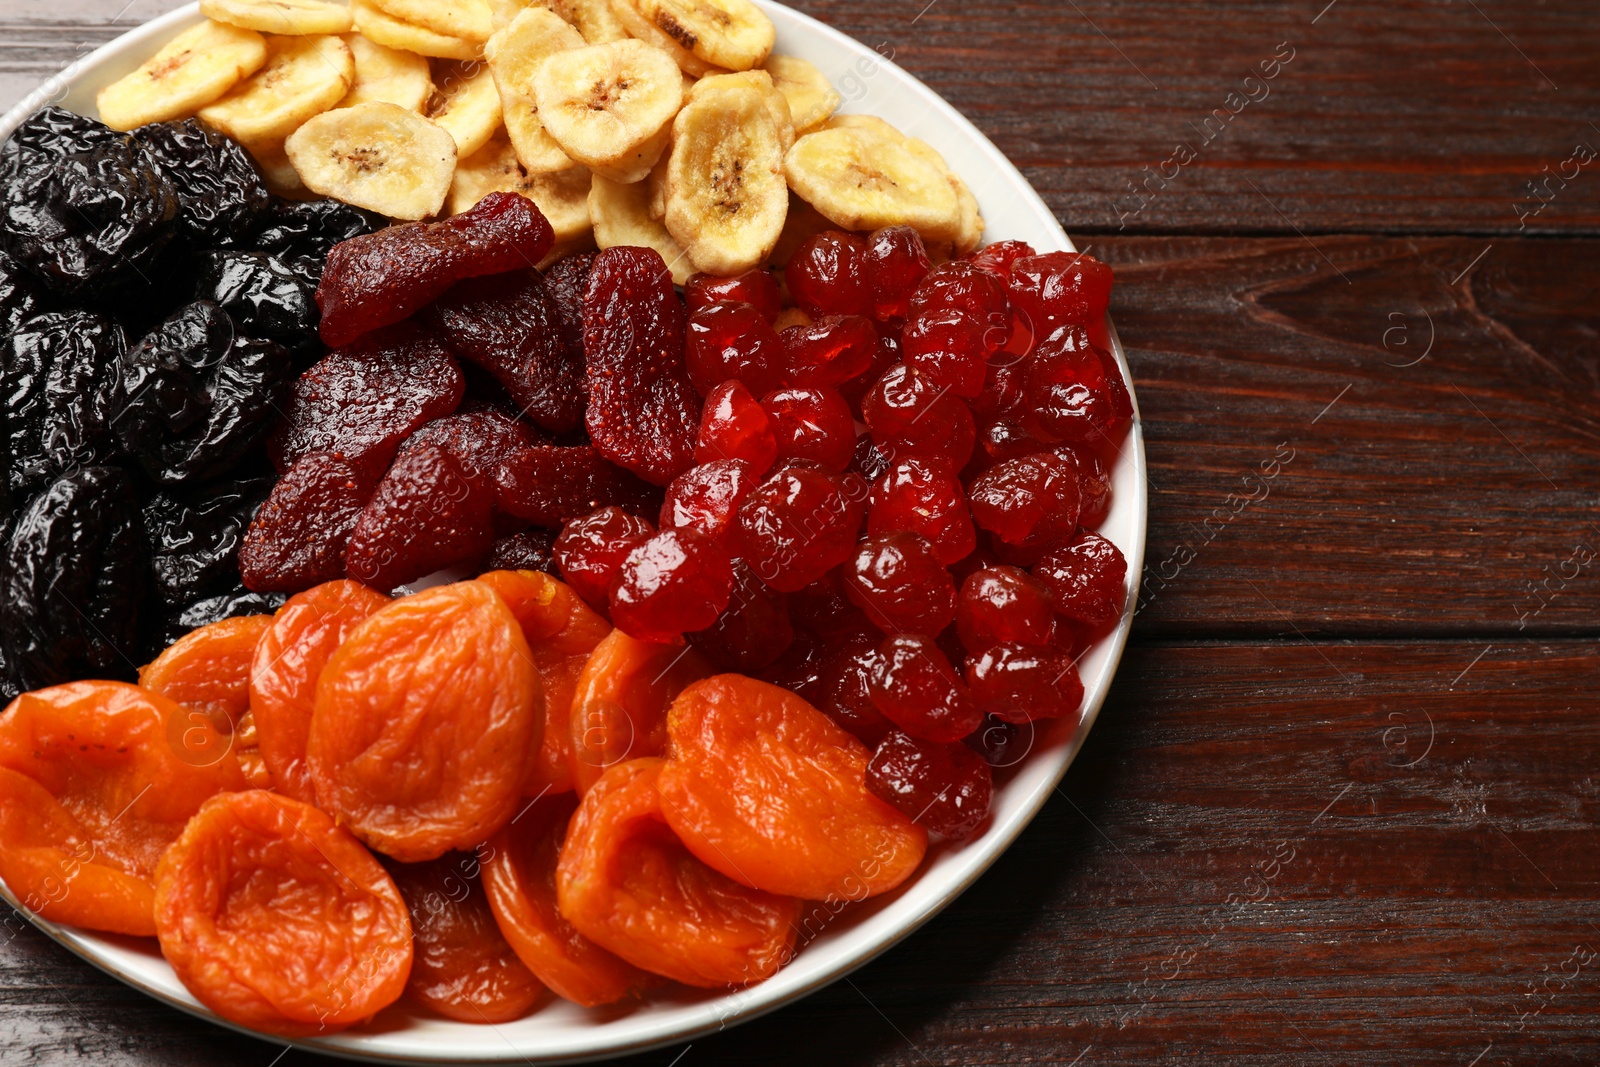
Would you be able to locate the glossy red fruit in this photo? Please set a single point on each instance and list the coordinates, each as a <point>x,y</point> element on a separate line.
<point>799,524</point>
<point>298,536</point>
<point>916,688</point>
<point>1027,501</point>
<point>1000,743</point>
<point>911,415</point>
<point>959,317</point>
<point>1067,397</point>
<point>896,263</point>
<point>1085,580</point>
<point>734,342</point>
<point>1021,683</point>
<point>998,259</point>
<point>704,500</point>
<point>847,687</point>
<point>888,354</point>
<point>923,496</point>
<point>813,424</point>
<point>757,287</point>
<point>901,585</point>
<point>1094,487</point>
<point>1060,289</point>
<point>946,788</point>
<point>549,485</point>
<point>752,631</point>
<point>831,351</point>
<point>828,275</point>
<point>1007,438</point>
<point>590,552</point>
<point>1002,391</point>
<point>674,583</point>
<point>734,425</point>
<point>1003,605</point>
<point>425,515</point>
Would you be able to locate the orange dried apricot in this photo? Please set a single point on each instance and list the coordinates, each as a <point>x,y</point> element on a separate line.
<point>289,659</point>
<point>561,631</point>
<point>423,723</point>
<point>96,780</point>
<point>277,919</point>
<point>519,876</point>
<point>619,709</point>
<point>461,966</point>
<point>626,882</point>
<point>766,789</point>
<point>208,670</point>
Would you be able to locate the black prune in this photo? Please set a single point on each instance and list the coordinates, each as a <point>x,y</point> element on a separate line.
<point>92,221</point>
<point>221,194</point>
<point>301,233</point>
<point>264,297</point>
<point>59,395</point>
<point>236,602</point>
<point>72,584</point>
<point>19,299</point>
<point>194,537</point>
<point>46,135</point>
<point>194,396</point>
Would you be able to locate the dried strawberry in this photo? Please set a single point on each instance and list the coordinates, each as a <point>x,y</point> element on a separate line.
<point>297,538</point>
<point>530,550</point>
<point>549,485</point>
<point>425,515</point>
<point>734,425</point>
<point>477,440</point>
<point>567,281</point>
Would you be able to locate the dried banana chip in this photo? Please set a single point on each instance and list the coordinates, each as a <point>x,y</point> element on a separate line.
<point>468,20</point>
<point>378,25</point>
<point>195,68</point>
<point>466,103</point>
<point>302,77</point>
<point>387,75</point>
<point>290,17</point>
<point>592,18</point>
<point>515,54</point>
<point>812,98</point>
<point>377,156</point>
<point>776,103</point>
<point>277,170</point>
<point>726,195</point>
<point>657,181</point>
<point>640,28</point>
<point>864,179</point>
<point>732,34</point>
<point>610,106</point>
<point>969,235</point>
<point>968,232</point>
<point>621,216</point>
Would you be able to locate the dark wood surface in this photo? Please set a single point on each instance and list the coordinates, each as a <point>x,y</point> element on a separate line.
<point>1341,806</point>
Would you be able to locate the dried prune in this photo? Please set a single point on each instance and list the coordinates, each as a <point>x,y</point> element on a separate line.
<point>264,297</point>
<point>301,233</point>
<point>60,395</point>
<point>510,326</point>
<point>235,603</point>
<point>381,278</point>
<point>73,581</point>
<point>298,536</point>
<point>643,411</point>
<point>195,396</point>
<point>85,210</point>
<point>362,401</point>
<point>19,297</point>
<point>549,485</point>
<point>194,536</point>
<point>221,194</point>
<point>425,515</point>
<point>530,550</point>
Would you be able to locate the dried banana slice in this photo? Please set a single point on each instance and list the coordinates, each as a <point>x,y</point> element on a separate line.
<point>592,18</point>
<point>621,216</point>
<point>277,170</point>
<point>640,28</point>
<point>733,34</point>
<point>378,25</point>
<point>377,156</point>
<point>864,179</point>
<point>501,12</point>
<point>726,195</point>
<point>969,235</point>
<point>467,20</point>
<point>290,17</point>
<point>776,103</point>
<point>563,196</point>
<point>193,69</point>
<point>657,181</point>
<point>969,229</point>
<point>387,75</point>
<point>610,106</point>
<point>812,98</point>
<point>466,103</point>
<point>515,54</point>
<point>302,77</point>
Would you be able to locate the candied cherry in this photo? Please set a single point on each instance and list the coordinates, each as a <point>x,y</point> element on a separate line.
<point>914,685</point>
<point>847,690</point>
<point>800,667</point>
<point>998,259</point>
<point>753,630</point>
<point>959,317</point>
<point>813,424</point>
<point>901,585</point>
<point>923,495</point>
<point>1021,683</point>
<point>1094,487</point>
<point>799,524</point>
<point>590,551</point>
<point>1001,604</point>
<point>897,261</point>
<point>1066,394</point>
<point>734,341</point>
<point>828,275</point>
<point>674,583</point>
<point>1060,289</point>
<point>705,499</point>
<point>1000,743</point>
<point>888,354</point>
<point>832,350</point>
<point>868,461</point>
<point>734,425</point>
<point>943,787</point>
<point>821,606</point>
<point>1002,391</point>
<point>1032,500</point>
<point>1085,580</point>
<point>757,288</point>
<point>1007,438</point>
<point>909,414</point>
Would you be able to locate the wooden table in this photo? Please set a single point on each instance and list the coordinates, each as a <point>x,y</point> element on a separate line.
<point>1341,807</point>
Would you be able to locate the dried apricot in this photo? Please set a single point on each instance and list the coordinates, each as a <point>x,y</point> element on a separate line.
<point>627,883</point>
<point>289,660</point>
<point>619,709</point>
<point>766,789</point>
<point>96,780</point>
<point>561,631</point>
<point>519,876</point>
<point>208,671</point>
<point>277,919</point>
<point>461,966</point>
<point>423,722</point>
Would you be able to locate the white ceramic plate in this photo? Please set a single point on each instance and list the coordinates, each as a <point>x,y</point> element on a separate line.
<point>565,1033</point>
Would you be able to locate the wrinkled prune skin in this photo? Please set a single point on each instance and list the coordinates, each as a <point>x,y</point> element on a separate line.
<point>305,231</point>
<point>72,583</point>
<point>263,295</point>
<point>509,325</point>
<point>195,396</point>
<point>194,537</point>
<point>19,297</point>
<point>236,602</point>
<point>221,194</point>
<point>60,399</point>
<point>86,213</point>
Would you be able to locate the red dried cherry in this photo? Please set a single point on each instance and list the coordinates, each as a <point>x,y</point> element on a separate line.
<point>1000,257</point>
<point>426,514</point>
<point>753,630</point>
<point>1066,394</point>
<point>828,275</point>
<point>910,415</point>
<point>896,263</point>
<point>799,669</point>
<point>923,495</point>
<point>799,524</point>
<point>757,287</point>
<point>830,351</point>
<point>734,341</point>
<point>898,581</point>
<point>1021,683</point>
<point>1028,501</point>
<point>590,551</point>
<point>1000,743</point>
<point>959,316</point>
<point>672,584</point>
<point>705,499</point>
<point>846,687</point>
<point>822,606</point>
<point>1085,580</point>
<point>1002,391</point>
<point>734,425</point>
<point>1094,486</point>
<point>888,354</point>
<point>549,485</point>
<point>1060,289</point>
<point>914,685</point>
<point>813,424</point>
<point>944,787</point>
<point>1003,605</point>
